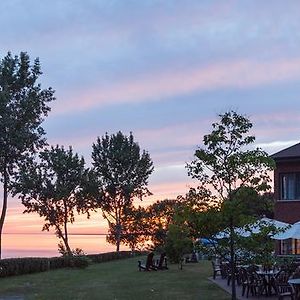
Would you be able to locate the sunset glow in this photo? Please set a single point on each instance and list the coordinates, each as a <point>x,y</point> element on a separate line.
<point>162,70</point>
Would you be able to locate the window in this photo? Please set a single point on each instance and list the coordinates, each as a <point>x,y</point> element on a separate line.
<point>286,247</point>
<point>290,186</point>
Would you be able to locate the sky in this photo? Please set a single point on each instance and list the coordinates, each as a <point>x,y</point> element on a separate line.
<point>161,69</point>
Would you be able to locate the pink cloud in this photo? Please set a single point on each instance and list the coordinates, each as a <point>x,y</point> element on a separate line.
<point>153,87</point>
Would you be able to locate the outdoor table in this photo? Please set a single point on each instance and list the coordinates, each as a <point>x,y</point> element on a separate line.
<point>268,275</point>
<point>295,282</point>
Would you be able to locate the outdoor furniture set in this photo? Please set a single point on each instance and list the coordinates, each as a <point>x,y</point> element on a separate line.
<point>257,281</point>
<point>154,265</point>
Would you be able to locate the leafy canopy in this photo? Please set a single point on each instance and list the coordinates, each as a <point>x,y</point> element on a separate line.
<point>121,171</point>
<point>53,187</point>
<point>227,162</point>
<point>23,107</point>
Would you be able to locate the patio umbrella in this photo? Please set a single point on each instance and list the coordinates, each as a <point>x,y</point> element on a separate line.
<point>291,233</point>
<point>206,242</point>
<point>246,231</point>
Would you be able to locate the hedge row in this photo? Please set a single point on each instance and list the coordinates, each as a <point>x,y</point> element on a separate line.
<point>103,257</point>
<point>18,266</point>
<point>26,265</point>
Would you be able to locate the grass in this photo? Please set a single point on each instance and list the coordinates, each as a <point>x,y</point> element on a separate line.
<point>116,280</point>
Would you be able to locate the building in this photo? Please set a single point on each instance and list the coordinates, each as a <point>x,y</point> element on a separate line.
<point>287,193</point>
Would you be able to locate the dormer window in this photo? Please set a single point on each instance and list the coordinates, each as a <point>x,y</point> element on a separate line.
<point>290,186</point>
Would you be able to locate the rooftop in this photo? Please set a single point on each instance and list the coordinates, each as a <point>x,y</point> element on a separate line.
<point>288,153</point>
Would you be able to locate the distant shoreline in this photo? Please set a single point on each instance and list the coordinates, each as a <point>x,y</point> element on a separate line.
<point>48,233</point>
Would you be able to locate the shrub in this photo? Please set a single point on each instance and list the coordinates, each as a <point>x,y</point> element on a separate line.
<point>79,262</point>
<point>58,262</point>
<point>108,256</point>
<point>19,266</point>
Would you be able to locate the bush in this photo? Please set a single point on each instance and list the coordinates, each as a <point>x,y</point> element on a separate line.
<point>108,256</point>
<point>79,262</point>
<point>58,262</point>
<point>69,262</point>
<point>19,266</point>
<point>178,243</point>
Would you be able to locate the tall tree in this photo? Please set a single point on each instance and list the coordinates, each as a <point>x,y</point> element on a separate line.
<point>226,164</point>
<point>23,107</point>
<point>122,173</point>
<point>135,228</point>
<point>147,227</point>
<point>160,217</point>
<point>54,187</point>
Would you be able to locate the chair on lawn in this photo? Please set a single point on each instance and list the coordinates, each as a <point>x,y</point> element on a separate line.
<point>162,262</point>
<point>216,269</point>
<point>149,266</point>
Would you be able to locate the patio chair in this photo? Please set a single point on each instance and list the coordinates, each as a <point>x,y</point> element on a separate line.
<point>229,274</point>
<point>244,280</point>
<point>162,262</point>
<point>149,263</point>
<point>224,270</point>
<point>282,287</point>
<point>256,284</point>
<point>216,269</point>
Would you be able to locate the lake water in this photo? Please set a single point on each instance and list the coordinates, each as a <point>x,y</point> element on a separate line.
<point>45,245</point>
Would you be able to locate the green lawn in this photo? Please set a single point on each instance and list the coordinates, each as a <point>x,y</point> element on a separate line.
<point>116,280</point>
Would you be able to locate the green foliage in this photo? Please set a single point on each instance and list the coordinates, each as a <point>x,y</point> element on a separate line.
<point>178,243</point>
<point>122,173</point>
<point>76,259</point>
<point>228,172</point>
<point>147,227</point>
<point>52,187</point>
<point>224,166</point>
<point>23,107</point>
<point>108,256</point>
<point>116,280</point>
<point>160,216</point>
<point>227,164</point>
<point>19,266</point>
<point>259,248</point>
<point>64,252</point>
<point>80,262</point>
<point>26,265</point>
<point>253,203</point>
<point>58,262</point>
<point>135,228</point>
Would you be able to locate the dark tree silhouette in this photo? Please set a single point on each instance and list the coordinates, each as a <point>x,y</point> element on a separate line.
<point>226,164</point>
<point>122,173</point>
<point>23,107</point>
<point>54,187</point>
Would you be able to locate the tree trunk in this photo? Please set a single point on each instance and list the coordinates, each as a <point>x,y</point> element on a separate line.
<point>232,261</point>
<point>118,236</point>
<point>65,240</point>
<point>4,206</point>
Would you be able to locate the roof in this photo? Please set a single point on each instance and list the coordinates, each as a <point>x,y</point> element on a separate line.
<point>288,153</point>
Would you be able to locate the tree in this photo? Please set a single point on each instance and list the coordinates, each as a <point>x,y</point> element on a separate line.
<point>227,164</point>
<point>55,187</point>
<point>135,228</point>
<point>122,174</point>
<point>147,227</point>
<point>178,243</point>
<point>23,107</point>
<point>159,216</point>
